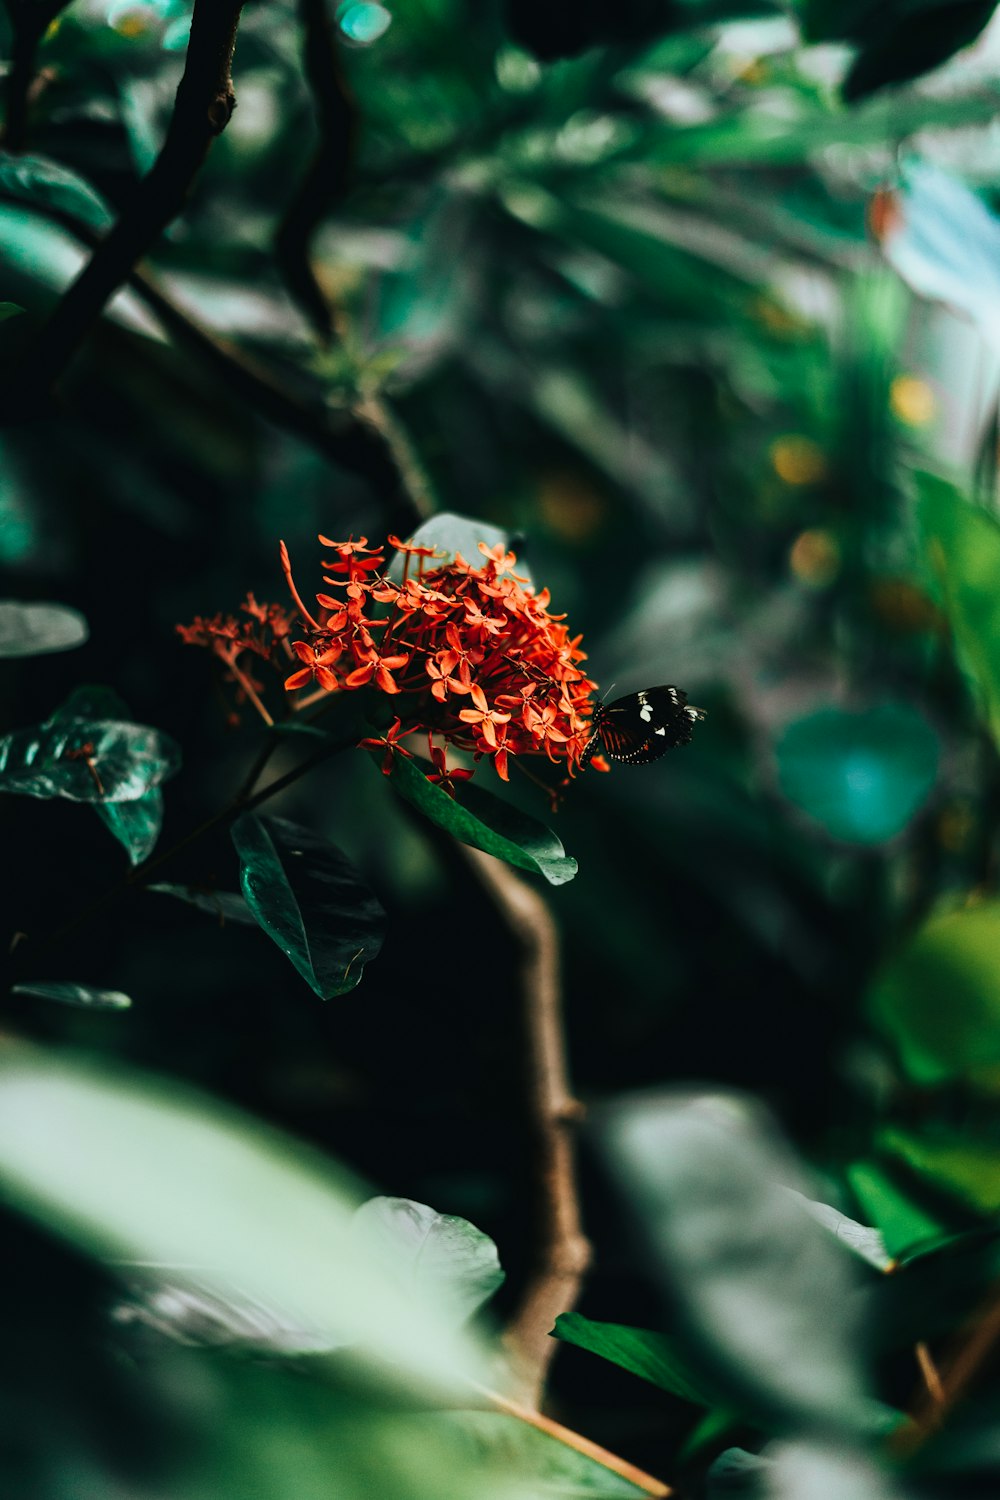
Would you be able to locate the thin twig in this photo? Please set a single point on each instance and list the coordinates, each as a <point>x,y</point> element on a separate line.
<point>942,1395</point>
<point>204,104</point>
<point>563,1254</point>
<point>326,176</point>
<point>929,1373</point>
<point>376,412</point>
<point>621,1466</point>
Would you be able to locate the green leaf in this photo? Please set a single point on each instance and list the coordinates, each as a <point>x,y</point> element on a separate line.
<point>867,1244</point>
<point>310,900</point>
<point>74,994</point>
<point>798,1471</point>
<point>449,534</point>
<point>132,1168</point>
<point>962,546</point>
<point>483,821</point>
<point>651,1356</point>
<point>135,824</point>
<point>51,760</point>
<point>9,310</point>
<point>34,629</point>
<point>967,1168</point>
<point>861,776</point>
<point>938,1001</point>
<point>225,906</point>
<point>546,1468</point>
<point>764,1301</point>
<point>903,1221</point>
<point>45,183</point>
<point>419,1247</point>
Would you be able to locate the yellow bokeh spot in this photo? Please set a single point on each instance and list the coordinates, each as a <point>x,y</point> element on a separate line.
<point>131,23</point>
<point>570,507</point>
<point>903,607</point>
<point>815,558</point>
<point>956,825</point>
<point>798,460</point>
<point>912,400</point>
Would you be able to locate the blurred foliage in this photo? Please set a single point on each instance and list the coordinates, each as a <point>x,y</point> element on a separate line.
<point>694,301</point>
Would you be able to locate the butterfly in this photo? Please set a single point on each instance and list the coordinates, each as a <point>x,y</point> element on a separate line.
<point>642,726</point>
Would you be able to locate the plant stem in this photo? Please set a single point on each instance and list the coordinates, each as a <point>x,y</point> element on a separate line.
<point>376,412</point>
<point>204,104</point>
<point>562,1253</point>
<point>643,1481</point>
<point>326,176</point>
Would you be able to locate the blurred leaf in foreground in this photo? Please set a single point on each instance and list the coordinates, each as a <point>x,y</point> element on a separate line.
<point>33,629</point>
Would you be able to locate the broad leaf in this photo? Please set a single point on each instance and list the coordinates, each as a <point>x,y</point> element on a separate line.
<point>903,1220</point>
<point>867,1244</point>
<point>938,1002</point>
<point>86,760</point>
<point>861,776</point>
<point>476,817</point>
<point>651,1356</point>
<point>763,1301</point>
<point>964,1166</point>
<point>34,629</point>
<point>546,1468</point>
<point>47,184</point>
<point>135,824</point>
<point>74,994</point>
<point>132,1168</point>
<point>419,1248</point>
<point>225,906</point>
<point>449,534</point>
<point>962,548</point>
<point>310,900</point>
<point>9,310</point>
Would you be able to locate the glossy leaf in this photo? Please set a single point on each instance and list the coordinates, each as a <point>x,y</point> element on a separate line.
<point>861,776</point>
<point>651,1356</point>
<point>74,994</point>
<point>135,824</point>
<point>132,1168</point>
<point>765,1307</point>
<point>35,629</point>
<point>938,1001</point>
<point>482,820</point>
<point>903,1221</point>
<point>310,900</point>
<point>40,181</point>
<point>225,906</point>
<point>51,760</point>
<point>420,1248</point>
<point>962,548</point>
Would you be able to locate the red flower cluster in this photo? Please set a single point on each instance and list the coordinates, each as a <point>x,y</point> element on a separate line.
<point>264,634</point>
<point>470,653</point>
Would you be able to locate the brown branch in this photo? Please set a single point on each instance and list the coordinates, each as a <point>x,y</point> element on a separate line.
<point>562,1254</point>
<point>973,1350</point>
<point>621,1466</point>
<point>203,107</point>
<point>29,21</point>
<point>326,176</point>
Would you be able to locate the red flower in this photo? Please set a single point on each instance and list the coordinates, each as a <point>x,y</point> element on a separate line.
<point>390,740</point>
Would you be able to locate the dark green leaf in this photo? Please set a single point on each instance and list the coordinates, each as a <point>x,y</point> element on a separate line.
<point>225,906</point>
<point>962,546</point>
<point>310,900</point>
<point>764,1302</point>
<point>421,1248</point>
<point>135,824</point>
<point>651,1356</point>
<point>862,776</point>
<point>958,1164</point>
<point>53,760</point>
<point>34,629</point>
<point>938,1002</point>
<point>74,994</point>
<point>902,1219</point>
<point>482,820</point>
<point>9,310</point>
<point>901,44</point>
<point>542,1467</point>
<point>40,181</point>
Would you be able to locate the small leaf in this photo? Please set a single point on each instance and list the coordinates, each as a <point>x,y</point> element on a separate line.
<point>763,1301</point>
<point>35,629</point>
<point>449,534</point>
<point>862,776</point>
<point>310,900</point>
<point>40,181</point>
<point>9,310</point>
<point>476,817</point>
<point>962,546</point>
<point>867,1244</point>
<point>74,994</point>
<point>53,760</point>
<point>225,906</point>
<point>651,1356</point>
<point>421,1248</point>
<point>136,824</point>
<point>903,1221</point>
<point>938,1002</point>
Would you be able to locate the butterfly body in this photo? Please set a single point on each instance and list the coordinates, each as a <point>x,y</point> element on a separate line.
<point>642,726</point>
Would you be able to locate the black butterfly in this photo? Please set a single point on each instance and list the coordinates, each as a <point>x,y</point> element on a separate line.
<point>642,726</point>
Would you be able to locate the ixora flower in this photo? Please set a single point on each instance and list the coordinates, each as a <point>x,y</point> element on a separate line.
<point>468,652</point>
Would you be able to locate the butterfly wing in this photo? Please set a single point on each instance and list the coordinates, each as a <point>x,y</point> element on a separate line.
<point>642,726</point>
